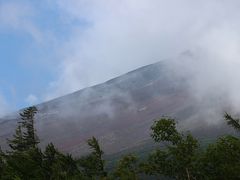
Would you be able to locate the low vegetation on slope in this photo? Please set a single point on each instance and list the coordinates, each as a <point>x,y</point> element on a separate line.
<point>181,158</point>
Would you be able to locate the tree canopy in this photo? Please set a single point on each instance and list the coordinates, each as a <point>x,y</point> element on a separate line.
<point>179,156</point>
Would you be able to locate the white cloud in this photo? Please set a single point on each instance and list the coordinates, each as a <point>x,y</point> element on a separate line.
<point>4,108</point>
<point>18,16</point>
<point>31,99</point>
<point>123,35</point>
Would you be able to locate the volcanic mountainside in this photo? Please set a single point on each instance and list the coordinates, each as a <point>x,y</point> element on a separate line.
<point>118,112</point>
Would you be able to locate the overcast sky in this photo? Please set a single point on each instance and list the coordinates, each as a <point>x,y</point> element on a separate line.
<point>49,48</point>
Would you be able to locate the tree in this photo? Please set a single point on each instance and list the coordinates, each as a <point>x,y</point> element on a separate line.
<point>93,164</point>
<point>2,163</point>
<point>25,136</point>
<point>59,166</point>
<point>25,159</point>
<point>17,143</point>
<point>27,122</point>
<point>97,153</point>
<point>165,130</point>
<point>127,168</point>
<point>235,123</point>
<point>26,164</point>
<point>49,159</point>
<point>221,159</point>
<point>178,159</point>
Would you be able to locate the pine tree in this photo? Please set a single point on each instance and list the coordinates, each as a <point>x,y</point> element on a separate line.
<point>24,161</point>
<point>97,153</point>
<point>50,158</point>
<point>58,165</point>
<point>27,122</point>
<point>235,123</point>
<point>17,143</point>
<point>2,163</point>
<point>25,136</point>
<point>93,164</point>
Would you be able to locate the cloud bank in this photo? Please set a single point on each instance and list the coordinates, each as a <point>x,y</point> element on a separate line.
<point>122,35</point>
<point>109,38</point>
<point>31,99</point>
<point>4,107</point>
<point>19,17</point>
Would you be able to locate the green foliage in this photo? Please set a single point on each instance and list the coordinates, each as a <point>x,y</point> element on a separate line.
<point>57,165</point>
<point>165,130</point>
<point>235,123</point>
<point>222,159</point>
<point>157,163</point>
<point>127,168</point>
<point>25,136</point>
<point>49,159</point>
<point>65,167</point>
<point>180,158</point>
<point>25,165</point>
<point>27,122</point>
<point>18,142</point>
<point>93,164</point>
<point>26,161</point>
<point>2,164</point>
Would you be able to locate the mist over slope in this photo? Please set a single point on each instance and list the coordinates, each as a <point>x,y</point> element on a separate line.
<point>120,111</point>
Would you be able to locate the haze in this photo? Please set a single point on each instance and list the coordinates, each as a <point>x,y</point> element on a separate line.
<point>51,48</point>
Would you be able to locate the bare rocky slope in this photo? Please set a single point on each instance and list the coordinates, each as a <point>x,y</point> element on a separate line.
<point>118,112</point>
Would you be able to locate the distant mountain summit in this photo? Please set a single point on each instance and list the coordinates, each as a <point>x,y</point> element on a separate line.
<point>118,112</point>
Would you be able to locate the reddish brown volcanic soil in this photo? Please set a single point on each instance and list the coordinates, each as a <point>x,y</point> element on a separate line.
<point>119,112</point>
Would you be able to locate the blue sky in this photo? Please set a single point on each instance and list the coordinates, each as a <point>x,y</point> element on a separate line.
<point>49,48</point>
<point>21,73</point>
<point>27,58</point>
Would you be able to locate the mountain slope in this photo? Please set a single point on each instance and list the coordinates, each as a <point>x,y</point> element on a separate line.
<point>118,112</point>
